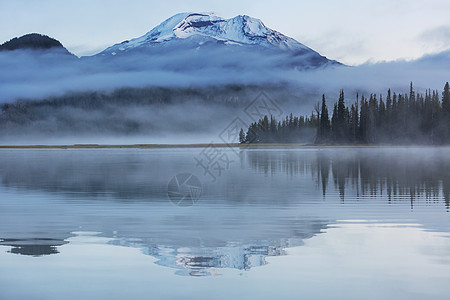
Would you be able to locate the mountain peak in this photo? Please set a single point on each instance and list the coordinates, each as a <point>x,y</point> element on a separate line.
<point>240,30</point>
<point>236,39</point>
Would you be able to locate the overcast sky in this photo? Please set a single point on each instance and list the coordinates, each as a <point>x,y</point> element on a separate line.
<point>350,31</point>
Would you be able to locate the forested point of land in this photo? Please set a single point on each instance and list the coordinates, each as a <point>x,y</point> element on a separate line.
<point>31,41</point>
<point>399,119</point>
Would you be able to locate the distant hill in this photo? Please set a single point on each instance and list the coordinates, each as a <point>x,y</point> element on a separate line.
<point>33,41</point>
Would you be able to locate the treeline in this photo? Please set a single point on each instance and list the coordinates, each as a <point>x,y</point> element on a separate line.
<point>127,111</point>
<point>293,129</point>
<point>28,112</point>
<point>399,119</point>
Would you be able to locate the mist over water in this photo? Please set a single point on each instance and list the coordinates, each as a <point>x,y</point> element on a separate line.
<point>266,210</point>
<point>390,178</point>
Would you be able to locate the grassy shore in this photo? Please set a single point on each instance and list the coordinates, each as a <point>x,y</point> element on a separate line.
<point>167,146</point>
<point>146,146</point>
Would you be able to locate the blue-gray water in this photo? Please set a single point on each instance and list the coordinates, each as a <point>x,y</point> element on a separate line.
<point>343,223</point>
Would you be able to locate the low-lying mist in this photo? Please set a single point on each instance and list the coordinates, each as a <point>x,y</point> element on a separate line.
<point>167,95</point>
<point>150,115</point>
<point>34,75</point>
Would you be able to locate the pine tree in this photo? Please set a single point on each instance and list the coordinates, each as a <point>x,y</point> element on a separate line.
<point>445,116</point>
<point>324,123</point>
<point>404,118</point>
<point>354,122</point>
<point>446,100</point>
<point>241,136</point>
<point>363,116</point>
<point>341,119</point>
<point>412,94</point>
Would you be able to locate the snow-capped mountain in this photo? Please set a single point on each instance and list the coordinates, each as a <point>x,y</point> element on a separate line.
<point>198,31</point>
<point>240,30</point>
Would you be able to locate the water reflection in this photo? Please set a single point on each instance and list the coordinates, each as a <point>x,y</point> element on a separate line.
<point>89,174</point>
<point>180,248</point>
<point>271,200</point>
<point>206,254</point>
<point>206,264</point>
<point>395,173</point>
<point>33,246</point>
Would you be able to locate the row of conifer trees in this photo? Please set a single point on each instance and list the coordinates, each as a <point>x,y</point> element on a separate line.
<point>397,119</point>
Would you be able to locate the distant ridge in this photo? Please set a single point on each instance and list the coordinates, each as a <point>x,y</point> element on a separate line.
<point>33,41</point>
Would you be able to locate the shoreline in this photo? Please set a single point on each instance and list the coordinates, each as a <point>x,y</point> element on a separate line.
<point>181,146</point>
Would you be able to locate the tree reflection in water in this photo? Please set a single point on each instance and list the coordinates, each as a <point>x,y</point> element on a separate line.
<point>395,173</point>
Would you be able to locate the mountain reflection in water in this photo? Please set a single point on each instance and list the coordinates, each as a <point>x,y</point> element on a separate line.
<point>269,200</point>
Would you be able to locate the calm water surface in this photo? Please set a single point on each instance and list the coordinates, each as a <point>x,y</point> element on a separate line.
<point>344,223</point>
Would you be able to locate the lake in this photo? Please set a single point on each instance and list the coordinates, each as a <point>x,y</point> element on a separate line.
<point>220,223</point>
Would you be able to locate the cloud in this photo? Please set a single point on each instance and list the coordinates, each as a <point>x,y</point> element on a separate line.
<point>27,75</point>
<point>435,39</point>
<point>335,44</point>
<point>36,75</point>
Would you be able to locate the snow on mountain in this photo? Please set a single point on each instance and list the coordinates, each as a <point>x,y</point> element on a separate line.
<point>197,29</point>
